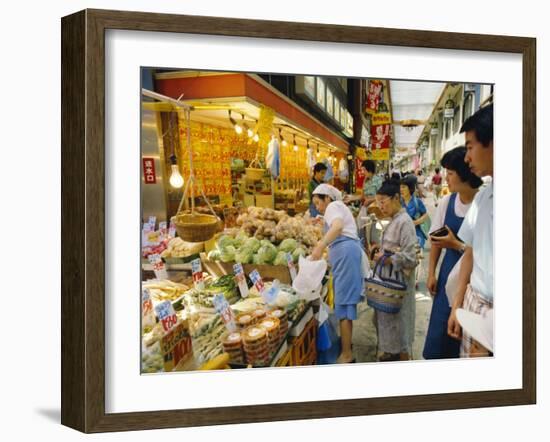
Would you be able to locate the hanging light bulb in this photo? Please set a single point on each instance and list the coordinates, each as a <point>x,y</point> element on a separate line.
<point>256,138</point>
<point>294,142</point>
<point>176,180</point>
<point>318,154</point>
<point>236,126</point>
<point>249,131</point>
<point>308,148</point>
<point>283,141</point>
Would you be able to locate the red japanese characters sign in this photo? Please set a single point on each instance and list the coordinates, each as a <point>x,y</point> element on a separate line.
<point>373,96</point>
<point>359,174</point>
<point>380,137</point>
<point>149,175</point>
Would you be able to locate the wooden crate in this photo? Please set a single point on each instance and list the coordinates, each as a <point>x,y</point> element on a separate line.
<point>268,272</point>
<point>286,359</point>
<point>304,347</point>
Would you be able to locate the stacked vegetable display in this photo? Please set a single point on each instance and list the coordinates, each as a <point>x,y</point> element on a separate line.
<point>265,237</point>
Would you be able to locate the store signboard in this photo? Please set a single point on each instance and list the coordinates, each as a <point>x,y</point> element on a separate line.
<point>306,85</point>
<point>379,154</point>
<point>309,86</point>
<point>448,112</point>
<point>374,92</point>
<point>330,102</point>
<point>149,175</point>
<point>337,109</point>
<point>240,279</point>
<point>344,119</point>
<point>381,118</point>
<point>359,174</point>
<point>320,96</point>
<point>380,137</point>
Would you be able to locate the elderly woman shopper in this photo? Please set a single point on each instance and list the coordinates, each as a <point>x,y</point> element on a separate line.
<point>450,213</point>
<point>396,330</point>
<point>345,258</point>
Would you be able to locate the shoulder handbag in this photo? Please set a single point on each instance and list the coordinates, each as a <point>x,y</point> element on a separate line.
<point>385,294</point>
<point>427,224</point>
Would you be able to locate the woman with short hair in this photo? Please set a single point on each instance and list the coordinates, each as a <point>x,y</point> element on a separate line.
<point>463,185</point>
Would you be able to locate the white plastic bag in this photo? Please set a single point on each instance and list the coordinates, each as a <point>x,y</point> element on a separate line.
<point>452,282</point>
<point>310,276</point>
<point>322,314</point>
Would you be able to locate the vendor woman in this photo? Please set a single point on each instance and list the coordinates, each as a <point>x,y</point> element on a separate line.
<point>345,258</point>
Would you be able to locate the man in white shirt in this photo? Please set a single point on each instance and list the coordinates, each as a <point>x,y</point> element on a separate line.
<point>475,286</point>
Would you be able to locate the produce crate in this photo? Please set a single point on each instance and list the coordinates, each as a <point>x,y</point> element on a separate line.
<point>182,260</point>
<point>267,272</point>
<point>286,359</point>
<point>304,347</point>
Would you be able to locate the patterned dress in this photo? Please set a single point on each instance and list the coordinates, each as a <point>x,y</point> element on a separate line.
<point>396,330</point>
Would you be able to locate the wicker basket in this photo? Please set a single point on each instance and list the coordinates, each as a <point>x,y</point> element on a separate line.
<point>194,227</point>
<point>254,174</point>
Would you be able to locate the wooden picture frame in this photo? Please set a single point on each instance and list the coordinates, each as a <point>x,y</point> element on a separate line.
<point>83,216</point>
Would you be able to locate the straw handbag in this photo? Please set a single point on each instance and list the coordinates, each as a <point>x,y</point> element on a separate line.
<point>385,294</point>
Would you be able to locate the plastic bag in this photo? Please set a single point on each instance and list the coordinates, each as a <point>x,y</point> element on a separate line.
<point>452,282</point>
<point>308,282</point>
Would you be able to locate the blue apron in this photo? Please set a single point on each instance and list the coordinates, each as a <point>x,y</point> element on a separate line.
<point>439,344</point>
<point>345,256</point>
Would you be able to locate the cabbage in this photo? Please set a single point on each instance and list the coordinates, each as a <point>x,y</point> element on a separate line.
<point>288,245</point>
<point>244,256</point>
<point>214,255</point>
<point>267,254</point>
<point>265,242</point>
<point>256,259</point>
<point>280,260</point>
<point>252,243</point>
<point>228,254</point>
<point>240,239</point>
<point>224,241</point>
<point>297,253</point>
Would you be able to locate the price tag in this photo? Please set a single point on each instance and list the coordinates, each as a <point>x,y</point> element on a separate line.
<point>269,296</point>
<point>257,281</point>
<point>144,234</point>
<point>147,314</point>
<point>158,266</point>
<point>153,238</point>
<point>198,279</point>
<point>167,315</point>
<point>291,266</point>
<point>163,230</point>
<point>222,307</point>
<point>172,230</point>
<point>240,279</point>
<point>152,222</point>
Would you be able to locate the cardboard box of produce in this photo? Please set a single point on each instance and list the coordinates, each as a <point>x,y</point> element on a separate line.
<point>267,272</point>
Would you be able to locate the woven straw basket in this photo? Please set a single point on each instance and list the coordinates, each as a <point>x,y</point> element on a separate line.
<point>254,174</point>
<point>194,227</point>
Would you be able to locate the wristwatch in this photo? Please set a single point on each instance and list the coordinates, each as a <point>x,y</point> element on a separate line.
<point>462,248</point>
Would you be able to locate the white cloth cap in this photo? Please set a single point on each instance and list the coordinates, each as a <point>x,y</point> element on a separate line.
<point>327,189</point>
<point>480,327</point>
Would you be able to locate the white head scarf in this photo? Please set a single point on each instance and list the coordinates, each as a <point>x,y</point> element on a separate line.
<point>327,189</point>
